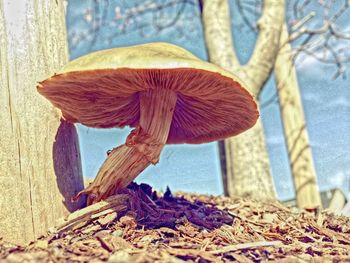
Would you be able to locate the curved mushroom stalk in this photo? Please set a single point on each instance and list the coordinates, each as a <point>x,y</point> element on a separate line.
<point>142,147</point>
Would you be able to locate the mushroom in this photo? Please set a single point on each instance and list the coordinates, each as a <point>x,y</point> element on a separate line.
<point>165,92</point>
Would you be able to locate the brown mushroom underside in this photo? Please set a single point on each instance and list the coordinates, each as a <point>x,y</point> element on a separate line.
<point>178,105</point>
<point>209,107</point>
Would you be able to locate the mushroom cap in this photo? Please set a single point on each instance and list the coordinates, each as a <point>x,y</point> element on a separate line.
<point>101,90</point>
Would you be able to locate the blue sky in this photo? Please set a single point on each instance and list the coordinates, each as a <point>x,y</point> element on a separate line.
<point>195,168</point>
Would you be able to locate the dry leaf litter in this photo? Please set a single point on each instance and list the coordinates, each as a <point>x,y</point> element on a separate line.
<point>140,225</point>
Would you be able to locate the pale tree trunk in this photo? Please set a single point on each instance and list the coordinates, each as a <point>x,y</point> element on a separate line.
<point>40,165</point>
<point>295,132</point>
<point>247,164</point>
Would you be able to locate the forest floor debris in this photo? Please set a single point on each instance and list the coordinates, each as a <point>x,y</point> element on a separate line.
<point>140,225</point>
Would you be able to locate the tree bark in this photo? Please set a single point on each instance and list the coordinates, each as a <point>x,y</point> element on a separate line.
<point>247,164</point>
<point>39,152</point>
<point>295,132</point>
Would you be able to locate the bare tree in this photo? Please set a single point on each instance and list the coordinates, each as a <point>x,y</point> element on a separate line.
<point>218,38</point>
<point>247,164</point>
<point>313,40</point>
<point>299,151</point>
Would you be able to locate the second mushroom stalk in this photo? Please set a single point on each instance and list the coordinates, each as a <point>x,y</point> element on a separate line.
<point>142,147</point>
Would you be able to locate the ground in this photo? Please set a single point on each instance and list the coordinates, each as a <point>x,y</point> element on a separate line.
<point>140,225</point>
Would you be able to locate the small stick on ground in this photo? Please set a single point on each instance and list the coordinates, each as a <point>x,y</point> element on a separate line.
<point>247,245</point>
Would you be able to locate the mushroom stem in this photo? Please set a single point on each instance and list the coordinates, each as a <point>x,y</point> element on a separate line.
<point>142,146</point>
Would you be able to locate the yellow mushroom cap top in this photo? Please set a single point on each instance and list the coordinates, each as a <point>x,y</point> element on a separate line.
<point>101,90</point>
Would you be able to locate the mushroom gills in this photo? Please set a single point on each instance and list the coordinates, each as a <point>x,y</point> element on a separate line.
<point>142,147</point>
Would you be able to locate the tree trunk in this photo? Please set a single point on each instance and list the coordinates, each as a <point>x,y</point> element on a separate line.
<point>247,164</point>
<point>39,152</point>
<point>293,119</point>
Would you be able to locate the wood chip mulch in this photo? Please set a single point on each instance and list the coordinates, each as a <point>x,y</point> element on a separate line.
<point>139,225</point>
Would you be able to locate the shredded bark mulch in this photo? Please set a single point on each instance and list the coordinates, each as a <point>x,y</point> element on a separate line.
<point>140,225</point>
